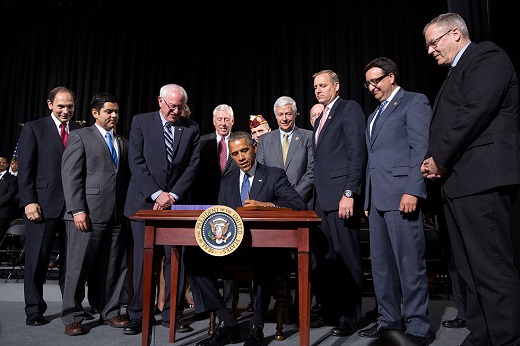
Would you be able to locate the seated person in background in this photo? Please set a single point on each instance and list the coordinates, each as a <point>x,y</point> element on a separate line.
<point>265,186</point>
<point>258,126</point>
<point>8,195</point>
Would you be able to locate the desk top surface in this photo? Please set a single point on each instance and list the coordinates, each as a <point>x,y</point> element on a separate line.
<point>252,215</point>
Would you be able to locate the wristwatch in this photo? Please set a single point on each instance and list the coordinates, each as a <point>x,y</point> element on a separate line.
<point>348,193</point>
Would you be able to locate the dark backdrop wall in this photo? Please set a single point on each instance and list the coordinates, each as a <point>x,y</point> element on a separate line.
<point>243,53</point>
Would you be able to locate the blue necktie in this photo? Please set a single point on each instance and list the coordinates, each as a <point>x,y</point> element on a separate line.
<point>113,153</point>
<point>382,107</point>
<point>244,192</point>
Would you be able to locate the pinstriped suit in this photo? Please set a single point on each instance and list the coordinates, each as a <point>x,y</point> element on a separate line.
<point>474,133</point>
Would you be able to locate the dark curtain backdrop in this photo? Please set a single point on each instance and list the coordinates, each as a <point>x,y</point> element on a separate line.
<point>243,53</point>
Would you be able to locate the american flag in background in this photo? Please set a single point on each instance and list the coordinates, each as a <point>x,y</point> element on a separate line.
<point>15,152</point>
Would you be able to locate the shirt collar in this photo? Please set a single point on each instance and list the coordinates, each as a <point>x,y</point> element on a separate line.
<point>459,54</point>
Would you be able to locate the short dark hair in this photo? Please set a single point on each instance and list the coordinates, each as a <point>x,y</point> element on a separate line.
<point>99,100</point>
<point>235,136</point>
<point>385,64</point>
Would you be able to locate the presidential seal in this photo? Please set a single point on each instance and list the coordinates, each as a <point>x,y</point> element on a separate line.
<point>219,230</point>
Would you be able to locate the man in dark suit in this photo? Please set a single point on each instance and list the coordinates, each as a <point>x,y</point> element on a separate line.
<point>95,177</point>
<point>41,147</point>
<point>211,169</point>
<point>339,167</point>
<point>298,158</point>
<point>396,140</point>
<point>163,155</point>
<point>474,149</point>
<point>215,164</point>
<point>8,192</point>
<point>269,187</point>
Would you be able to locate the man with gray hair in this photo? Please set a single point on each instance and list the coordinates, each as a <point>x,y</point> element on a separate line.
<point>289,148</point>
<point>474,151</point>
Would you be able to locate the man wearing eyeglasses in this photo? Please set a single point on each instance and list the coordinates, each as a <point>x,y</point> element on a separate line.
<point>474,150</point>
<point>163,156</point>
<point>396,140</point>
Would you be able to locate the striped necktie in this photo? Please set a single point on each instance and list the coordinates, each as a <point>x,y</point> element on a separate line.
<point>168,141</point>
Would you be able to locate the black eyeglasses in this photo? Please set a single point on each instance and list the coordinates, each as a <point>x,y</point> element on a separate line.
<point>434,43</point>
<point>376,81</point>
<point>180,108</point>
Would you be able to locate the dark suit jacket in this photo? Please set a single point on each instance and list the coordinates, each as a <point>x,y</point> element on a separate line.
<point>270,184</point>
<point>340,155</point>
<point>8,192</point>
<point>39,161</point>
<point>91,182</point>
<point>396,151</point>
<point>299,164</point>
<point>207,185</point>
<point>474,127</point>
<point>148,163</point>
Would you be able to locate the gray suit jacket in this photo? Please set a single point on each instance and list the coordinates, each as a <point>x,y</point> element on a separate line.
<point>299,165</point>
<point>91,182</point>
<point>396,150</point>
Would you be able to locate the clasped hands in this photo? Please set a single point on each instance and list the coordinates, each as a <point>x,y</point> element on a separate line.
<point>430,170</point>
<point>164,201</point>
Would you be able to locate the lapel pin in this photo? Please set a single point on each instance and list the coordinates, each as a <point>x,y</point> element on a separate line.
<point>396,103</point>
<point>297,138</point>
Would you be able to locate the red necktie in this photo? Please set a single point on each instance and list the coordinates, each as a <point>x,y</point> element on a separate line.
<point>322,121</point>
<point>222,154</point>
<point>64,134</point>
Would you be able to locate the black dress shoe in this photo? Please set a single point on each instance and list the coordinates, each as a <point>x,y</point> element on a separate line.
<point>179,326</point>
<point>35,319</point>
<point>419,340</point>
<point>375,331</point>
<point>222,335</point>
<point>319,322</point>
<point>255,336</point>
<point>343,329</point>
<point>133,327</point>
<point>456,323</point>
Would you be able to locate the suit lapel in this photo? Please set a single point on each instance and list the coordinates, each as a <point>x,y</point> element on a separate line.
<point>100,140</point>
<point>258,181</point>
<point>330,117</point>
<point>158,137</point>
<point>386,113</point>
<point>453,75</point>
<point>54,134</point>
<point>296,137</point>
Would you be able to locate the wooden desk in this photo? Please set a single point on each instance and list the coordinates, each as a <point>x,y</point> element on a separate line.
<point>270,229</point>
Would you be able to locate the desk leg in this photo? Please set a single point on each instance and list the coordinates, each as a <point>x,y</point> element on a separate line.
<point>148,295</point>
<point>304,298</point>
<point>173,291</point>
